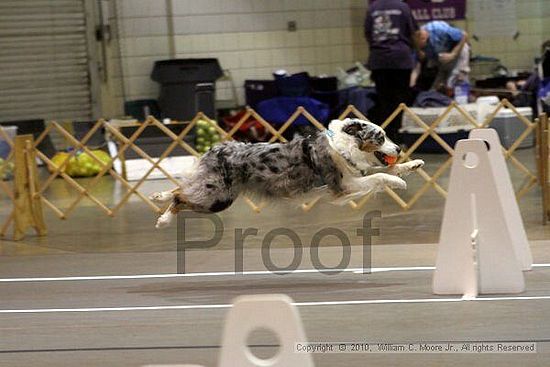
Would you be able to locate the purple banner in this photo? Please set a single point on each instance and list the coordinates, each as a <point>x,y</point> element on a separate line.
<point>426,10</point>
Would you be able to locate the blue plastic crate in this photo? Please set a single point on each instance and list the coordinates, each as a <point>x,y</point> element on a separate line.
<point>4,146</point>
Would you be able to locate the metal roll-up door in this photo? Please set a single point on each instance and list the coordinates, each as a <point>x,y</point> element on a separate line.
<point>44,62</point>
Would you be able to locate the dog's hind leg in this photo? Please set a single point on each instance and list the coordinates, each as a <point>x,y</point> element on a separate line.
<point>166,218</point>
<point>178,203</point>
<point>164,196</point>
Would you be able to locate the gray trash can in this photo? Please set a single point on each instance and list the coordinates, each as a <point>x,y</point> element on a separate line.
<point>186,87</point>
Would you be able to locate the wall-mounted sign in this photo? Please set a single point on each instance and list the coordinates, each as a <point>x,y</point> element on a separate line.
<point>426,10</point>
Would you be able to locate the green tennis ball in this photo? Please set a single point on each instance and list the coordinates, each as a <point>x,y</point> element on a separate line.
<point>202,123</point>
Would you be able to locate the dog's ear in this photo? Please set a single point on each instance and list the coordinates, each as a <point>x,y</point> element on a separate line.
<point>353,128</point>
<point>369,137</point>
<point>364,132</point>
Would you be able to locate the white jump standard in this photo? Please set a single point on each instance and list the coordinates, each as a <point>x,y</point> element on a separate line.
<point>483,247</point>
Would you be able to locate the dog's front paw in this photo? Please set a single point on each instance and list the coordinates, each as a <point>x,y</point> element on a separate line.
<point>379,180</point>
<point>395,182</point>
<point>415,164</point>
<point>404,169</point>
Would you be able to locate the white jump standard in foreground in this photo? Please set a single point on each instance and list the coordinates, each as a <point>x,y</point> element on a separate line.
<point>483,247</point>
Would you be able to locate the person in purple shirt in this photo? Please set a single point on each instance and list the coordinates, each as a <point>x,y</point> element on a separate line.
<point>446,48</point>
<point>390,31</point>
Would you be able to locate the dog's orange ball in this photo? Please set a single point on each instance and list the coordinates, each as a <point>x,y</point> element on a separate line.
<point>390,160</point>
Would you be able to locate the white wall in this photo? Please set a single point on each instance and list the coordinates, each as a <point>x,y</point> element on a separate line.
<point>144,39</point>
<point>250,38</point>
<point>545,12</point>
<point>519,53</point>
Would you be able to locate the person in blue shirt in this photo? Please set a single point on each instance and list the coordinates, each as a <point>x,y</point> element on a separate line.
<point>446,48</point>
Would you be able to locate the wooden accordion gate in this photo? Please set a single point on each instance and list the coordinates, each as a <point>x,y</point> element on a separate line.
<point>27,184</point>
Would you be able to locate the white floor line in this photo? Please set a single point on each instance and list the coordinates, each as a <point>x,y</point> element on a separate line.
<point>218,274</point>
<point>299,304</point>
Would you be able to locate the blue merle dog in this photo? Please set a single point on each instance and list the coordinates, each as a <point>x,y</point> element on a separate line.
<point>349,159</point>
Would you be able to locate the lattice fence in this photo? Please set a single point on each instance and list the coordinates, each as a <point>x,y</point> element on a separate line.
<point>530,178</point>
<point>84,188</point>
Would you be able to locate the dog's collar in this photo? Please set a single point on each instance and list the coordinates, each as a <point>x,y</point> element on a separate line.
<point>330,137</point>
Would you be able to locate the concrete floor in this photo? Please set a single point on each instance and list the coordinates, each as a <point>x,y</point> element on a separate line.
<point>179,319</point>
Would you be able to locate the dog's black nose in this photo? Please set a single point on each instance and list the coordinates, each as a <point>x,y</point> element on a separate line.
<point>398,149</point>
